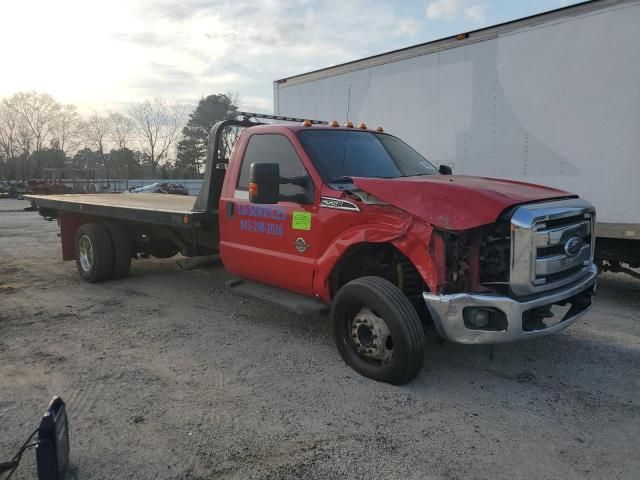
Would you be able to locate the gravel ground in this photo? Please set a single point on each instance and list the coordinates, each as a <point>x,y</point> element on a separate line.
<point>166,375</point>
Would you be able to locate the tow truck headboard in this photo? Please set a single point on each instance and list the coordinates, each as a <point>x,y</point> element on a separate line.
<point>215,167</point>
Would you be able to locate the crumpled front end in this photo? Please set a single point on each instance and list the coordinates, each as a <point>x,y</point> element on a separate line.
<point>529,274</point>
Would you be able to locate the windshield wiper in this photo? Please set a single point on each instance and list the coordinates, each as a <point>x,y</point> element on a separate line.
<point>350,179</point>
<point>341,180</point>
<point>418,175</point>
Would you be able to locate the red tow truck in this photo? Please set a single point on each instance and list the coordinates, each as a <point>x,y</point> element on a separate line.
<point>315,216</point>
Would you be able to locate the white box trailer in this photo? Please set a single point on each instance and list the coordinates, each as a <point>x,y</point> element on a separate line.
<point>551,99</point>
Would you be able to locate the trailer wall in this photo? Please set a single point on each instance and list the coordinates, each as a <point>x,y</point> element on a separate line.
<point>554,99</point>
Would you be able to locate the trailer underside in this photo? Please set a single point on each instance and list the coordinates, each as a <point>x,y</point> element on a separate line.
<point>158,224</point>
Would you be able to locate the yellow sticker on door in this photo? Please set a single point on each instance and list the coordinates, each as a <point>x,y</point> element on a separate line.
<point>301,221</point>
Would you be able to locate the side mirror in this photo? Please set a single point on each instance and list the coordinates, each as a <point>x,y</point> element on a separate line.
<point>264,183</point>
<point>445,170</point>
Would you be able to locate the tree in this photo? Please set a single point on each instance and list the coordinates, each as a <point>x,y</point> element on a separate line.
<point>9,143</point>
<point>192,149</point>
<point>121,129</point>
<point>158,124</point>
<point>36,113</point>
<point>67,128</point>
<point>96,131</point>
<point>125,163</point>
<point>47,158</point>
<point>86,159</point>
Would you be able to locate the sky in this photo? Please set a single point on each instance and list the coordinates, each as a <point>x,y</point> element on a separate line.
<point>106,54</point>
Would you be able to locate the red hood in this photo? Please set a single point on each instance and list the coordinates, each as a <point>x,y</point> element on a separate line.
<point>455,202</point>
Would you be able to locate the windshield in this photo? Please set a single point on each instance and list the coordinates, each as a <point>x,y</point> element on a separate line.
<point>351,153</point>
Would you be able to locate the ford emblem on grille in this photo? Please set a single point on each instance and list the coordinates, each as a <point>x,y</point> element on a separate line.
<point>573,246</point>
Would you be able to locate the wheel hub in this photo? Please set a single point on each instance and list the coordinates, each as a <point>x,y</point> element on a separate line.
<point>371,336</point>
<point>85,253</point>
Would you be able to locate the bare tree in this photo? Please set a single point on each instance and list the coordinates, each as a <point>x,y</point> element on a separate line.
<point>158,125</point>
<point>67,128</point>
<point>9,143</point>
<point>96,133</point>
<point>121,129</point>
<point>37,113</point>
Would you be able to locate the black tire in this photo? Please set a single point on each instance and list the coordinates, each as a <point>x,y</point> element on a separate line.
<point>99,267</point>
<point>122,250</point>
<point>387,302</point>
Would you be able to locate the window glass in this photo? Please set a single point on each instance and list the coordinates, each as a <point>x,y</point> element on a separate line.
<point>347,153</point>
<point>271,148</point>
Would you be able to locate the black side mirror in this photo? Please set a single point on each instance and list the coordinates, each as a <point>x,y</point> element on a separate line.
<point>445,170</point>
<point>264,183</point>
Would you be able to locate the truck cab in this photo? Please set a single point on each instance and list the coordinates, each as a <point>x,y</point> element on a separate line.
<point>355,220</point>
<point>482,260</point>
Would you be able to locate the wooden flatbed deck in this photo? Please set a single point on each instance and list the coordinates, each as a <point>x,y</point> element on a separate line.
<point>157,208</point>
<point>160,202</point>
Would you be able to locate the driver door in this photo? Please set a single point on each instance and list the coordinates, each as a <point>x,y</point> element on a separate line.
<point>272,244</point>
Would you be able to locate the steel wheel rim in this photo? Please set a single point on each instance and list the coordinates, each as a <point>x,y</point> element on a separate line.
<point>85,253</point>
<point>371,337</point>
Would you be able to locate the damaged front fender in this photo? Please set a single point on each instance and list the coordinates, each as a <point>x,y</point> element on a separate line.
<point>406,233</point>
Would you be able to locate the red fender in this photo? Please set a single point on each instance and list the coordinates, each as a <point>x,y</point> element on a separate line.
<point>69,224</point>
<point>411,237</point>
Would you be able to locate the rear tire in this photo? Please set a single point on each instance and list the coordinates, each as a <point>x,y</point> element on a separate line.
<point>377,331</point>
<point>122,249</point>
<point>94,252</point>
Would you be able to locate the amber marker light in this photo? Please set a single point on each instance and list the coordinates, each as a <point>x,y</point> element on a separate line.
<point>349,124</point>
<point>307,123</point>
<point>334,123</point>
<point>362,126</point>
<point>253,189</point>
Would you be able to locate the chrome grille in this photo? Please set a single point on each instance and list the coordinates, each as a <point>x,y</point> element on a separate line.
<point>552,245</point>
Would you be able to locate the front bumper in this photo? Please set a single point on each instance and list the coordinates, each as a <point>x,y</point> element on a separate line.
<point>447,312</point>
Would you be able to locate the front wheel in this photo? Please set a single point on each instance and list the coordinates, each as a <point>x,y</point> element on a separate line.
<point>377,331</point>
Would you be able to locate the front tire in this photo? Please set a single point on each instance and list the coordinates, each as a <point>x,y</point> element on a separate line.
<point>94,252</point>
<point>377,331</point>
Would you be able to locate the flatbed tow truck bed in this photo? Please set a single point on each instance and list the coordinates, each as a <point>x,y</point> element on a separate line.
<point>156,208</point>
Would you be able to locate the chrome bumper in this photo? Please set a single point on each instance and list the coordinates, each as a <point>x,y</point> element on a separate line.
<point>447,312</point>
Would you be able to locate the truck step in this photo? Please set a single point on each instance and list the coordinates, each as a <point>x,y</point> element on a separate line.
<point>293,302</point>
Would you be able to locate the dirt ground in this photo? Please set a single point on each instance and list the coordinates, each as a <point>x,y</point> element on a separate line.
<point>166,375</point>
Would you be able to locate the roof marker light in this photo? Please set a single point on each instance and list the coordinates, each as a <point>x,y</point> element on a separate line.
<point>380,129</point>
<point>334,123</point>
<point>362,125</point>
<point>349,124</point>
<point>307,123</point>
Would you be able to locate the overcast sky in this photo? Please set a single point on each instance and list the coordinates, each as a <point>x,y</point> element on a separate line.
<point>107,53</point>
